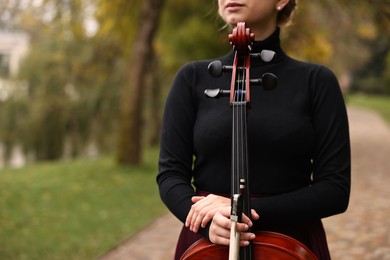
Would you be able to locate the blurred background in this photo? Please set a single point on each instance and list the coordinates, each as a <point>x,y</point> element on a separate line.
<point>82,89</point>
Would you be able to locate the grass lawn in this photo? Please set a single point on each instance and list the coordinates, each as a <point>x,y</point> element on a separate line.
<point>381,104</point>
<point>74,210</point>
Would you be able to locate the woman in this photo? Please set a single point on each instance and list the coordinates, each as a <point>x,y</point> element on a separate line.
<point>298,142</point>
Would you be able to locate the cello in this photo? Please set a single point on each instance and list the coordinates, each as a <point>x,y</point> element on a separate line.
<point>266,245</point>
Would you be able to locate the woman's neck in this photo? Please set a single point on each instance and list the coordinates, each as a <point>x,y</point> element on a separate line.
<point>263,30</point>
<point>263,33</point>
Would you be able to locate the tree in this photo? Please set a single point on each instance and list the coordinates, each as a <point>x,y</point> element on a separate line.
<point>373,76</point>
<point>52,70</point>
<point>130,132</point>
<point>72,80</point>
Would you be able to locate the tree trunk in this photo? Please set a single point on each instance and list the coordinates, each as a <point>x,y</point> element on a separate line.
<point>154,88</point>
<point>130,129</point>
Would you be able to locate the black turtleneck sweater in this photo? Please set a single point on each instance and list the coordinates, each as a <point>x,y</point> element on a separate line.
<point>298,140</point>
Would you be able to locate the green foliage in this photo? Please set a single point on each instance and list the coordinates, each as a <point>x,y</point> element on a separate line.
<point>118,23</point>
<point>192,33</point>
<point>74,210</point>
<point>63,98</point>
<point>372,84</point>
<point>13,124</point>
<point>386,74</point>
<point>73,84</point>
<point>372,76</point>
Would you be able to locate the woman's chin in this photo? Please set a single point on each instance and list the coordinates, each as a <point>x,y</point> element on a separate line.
<point>233,20</point>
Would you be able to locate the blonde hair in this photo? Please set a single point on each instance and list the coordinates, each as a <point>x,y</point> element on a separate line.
<point>284,16</point>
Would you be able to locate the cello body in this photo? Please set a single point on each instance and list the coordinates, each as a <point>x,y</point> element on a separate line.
<point>267,245</point>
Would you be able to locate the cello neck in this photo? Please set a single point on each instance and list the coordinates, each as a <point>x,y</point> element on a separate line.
<point>239,99</point>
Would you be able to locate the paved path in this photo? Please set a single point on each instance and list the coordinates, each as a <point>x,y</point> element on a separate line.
<point>153,243</point>
<point>363,232</point>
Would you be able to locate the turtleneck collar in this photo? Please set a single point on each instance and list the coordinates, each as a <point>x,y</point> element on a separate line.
<point>271,43</point>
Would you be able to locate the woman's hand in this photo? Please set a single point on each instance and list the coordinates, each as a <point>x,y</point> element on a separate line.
<point>204,209</point>
<point>219,232</point>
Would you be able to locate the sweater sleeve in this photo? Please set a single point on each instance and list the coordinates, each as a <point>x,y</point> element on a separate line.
<point>329,192</point>
<point>176,148</point>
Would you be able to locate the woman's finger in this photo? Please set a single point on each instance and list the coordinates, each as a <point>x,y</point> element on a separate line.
<point>197,200</point>
<point>247,236</point>
<point>199,210</point>
<point>255,215</point>
<point>219,232</point>
<point>203,210</point>
<point>246,220</point>
<point>203,217</point>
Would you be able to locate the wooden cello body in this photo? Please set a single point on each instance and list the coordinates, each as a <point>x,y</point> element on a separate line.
<point>267,245</point>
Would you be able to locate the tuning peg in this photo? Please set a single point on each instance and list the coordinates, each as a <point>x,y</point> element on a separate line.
<point>269,81</point>
<point>216,69</point>
<point>216,93</point>
<point>264,55</point>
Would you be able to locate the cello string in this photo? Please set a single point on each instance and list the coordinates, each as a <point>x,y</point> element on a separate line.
<point>245,141</point>
<point>240,122</point>
<point>241,117</point>
<point>234,132</point>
